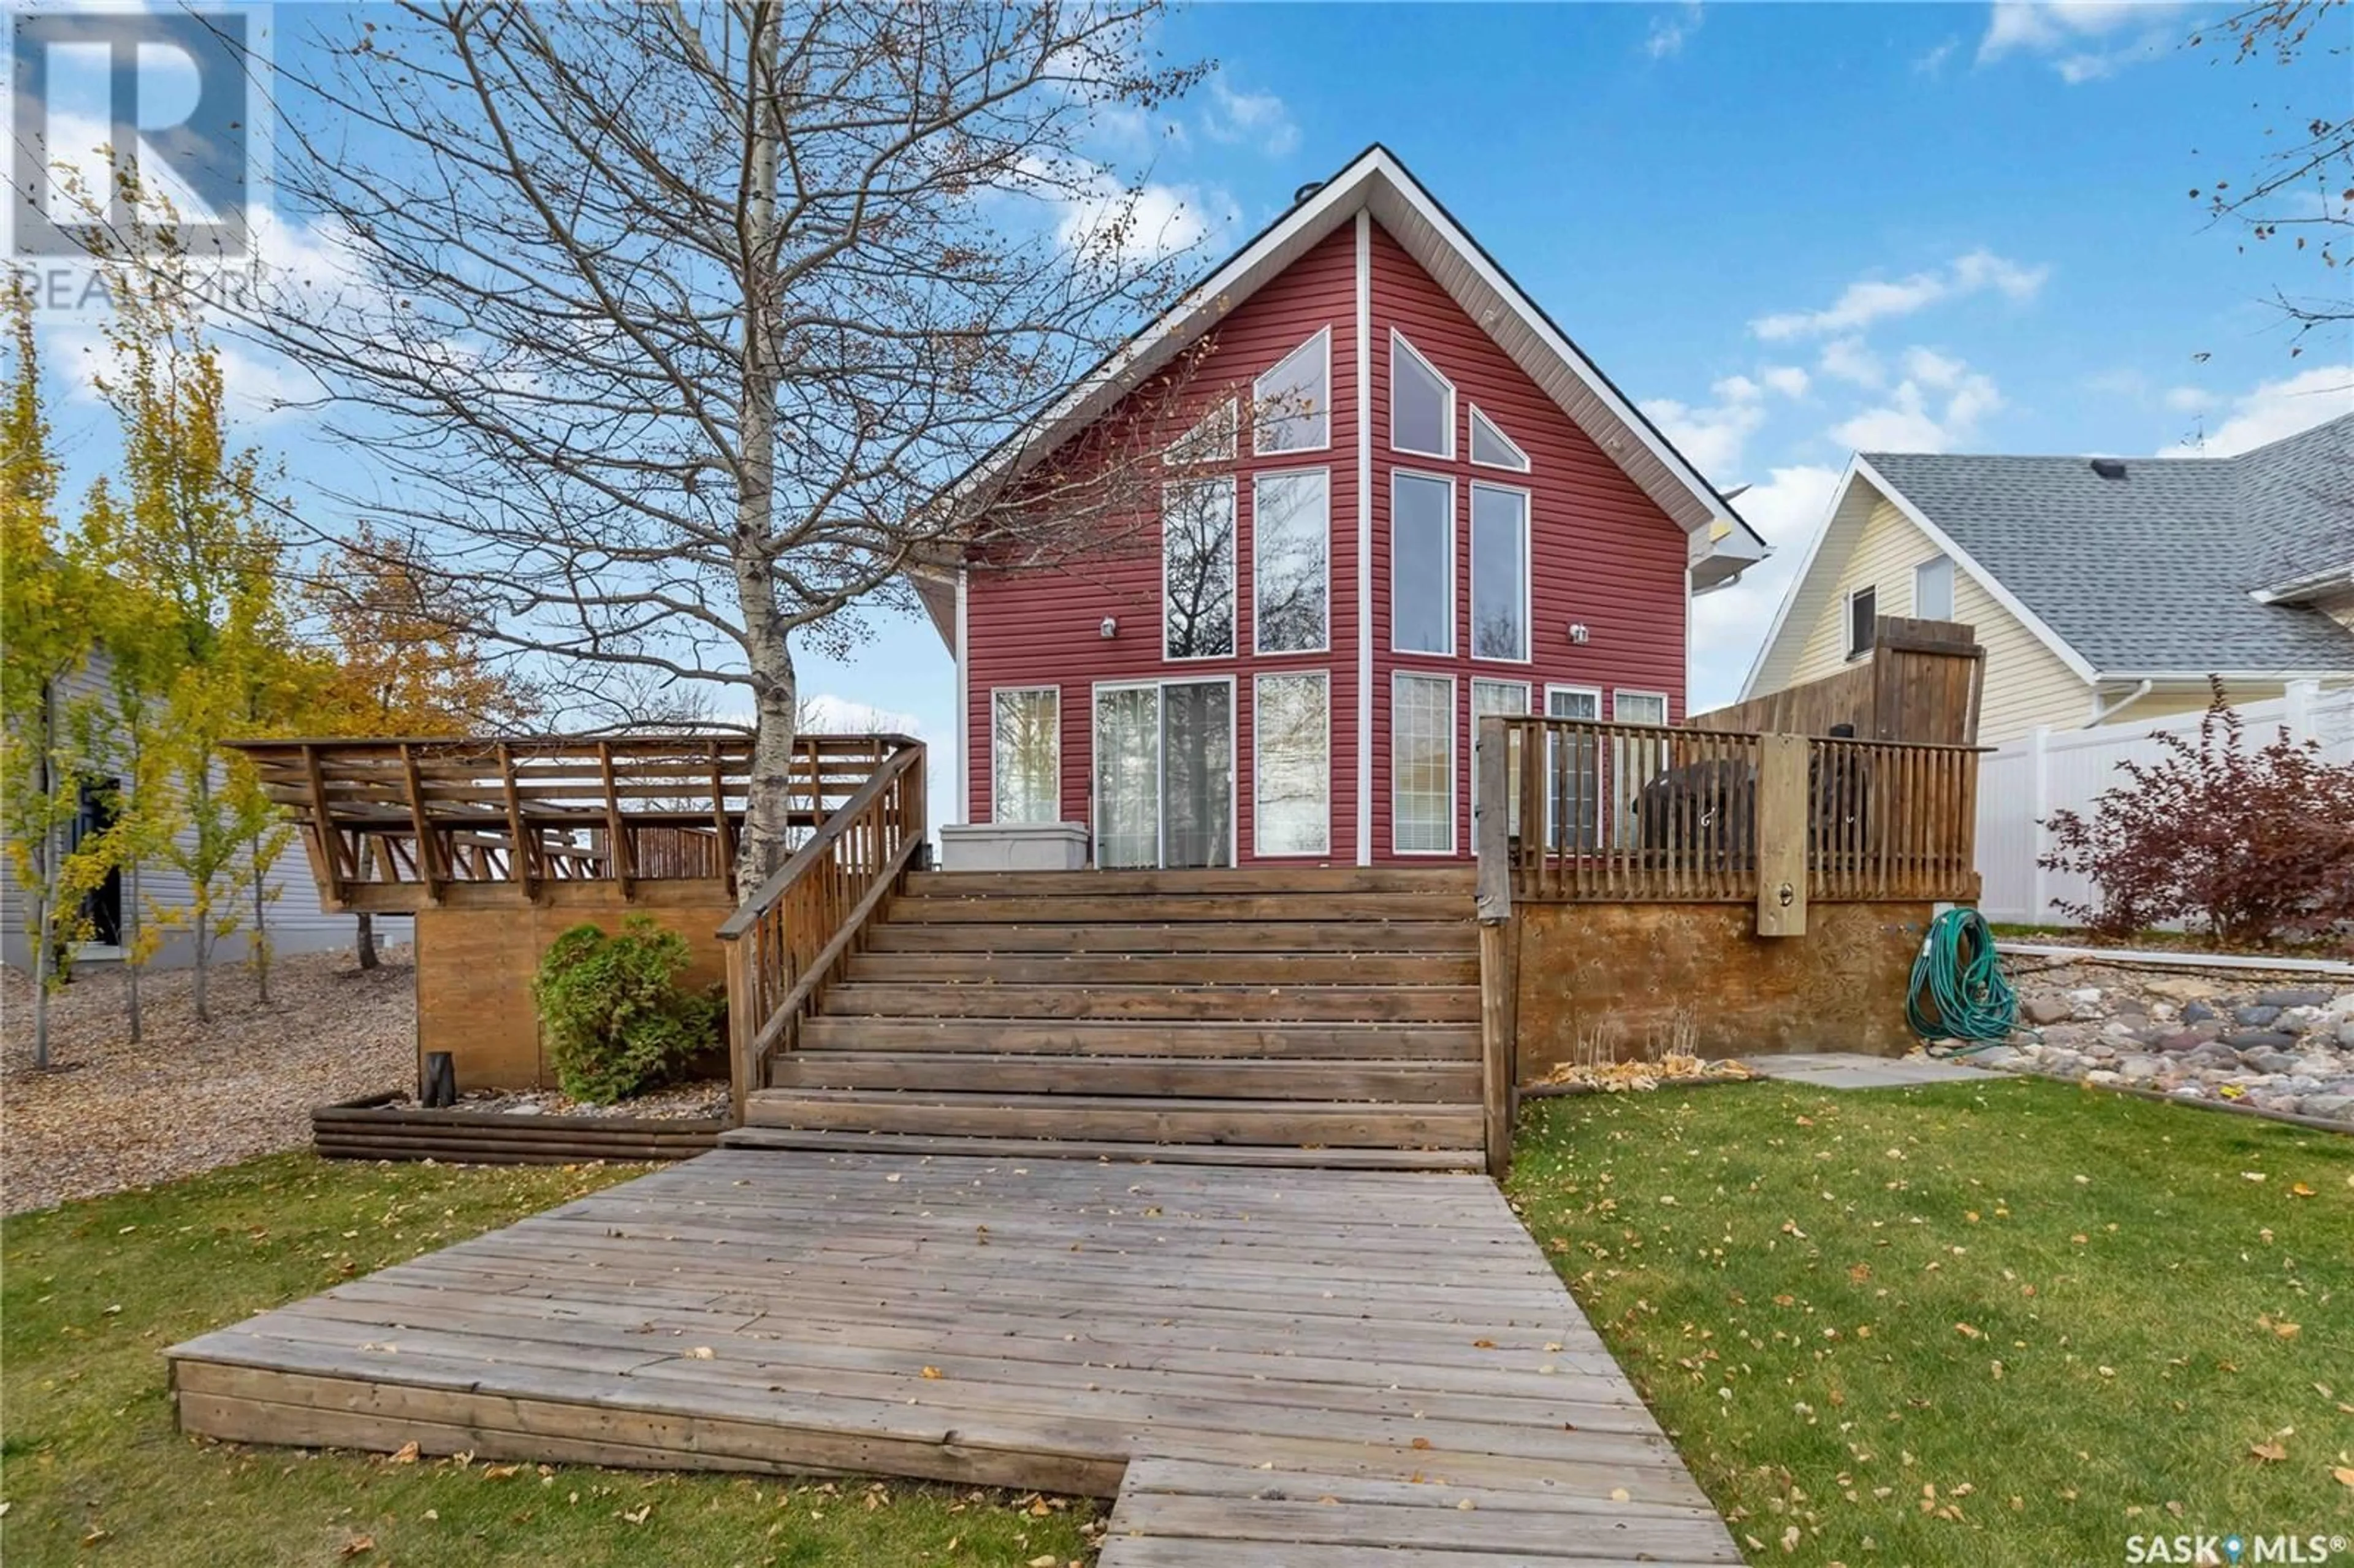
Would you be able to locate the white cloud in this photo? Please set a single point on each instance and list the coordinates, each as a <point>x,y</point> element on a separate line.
<point>1712,436</point>
<point>2189,400</point>
<point>1729,625</point>
<point>1938,407</point>
<point>1870,300</point>
<point>2277,409</point>
<point>1670,29</point>
<point>1254,119</point>
<point>1848,360</point>
<point>1789,380</point>
<point>1105,218</point>
<point>824,713</point>
<point>2083,40</point>
<point>1932,63</point>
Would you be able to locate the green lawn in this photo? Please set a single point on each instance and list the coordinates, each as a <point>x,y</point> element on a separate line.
<point>93,1470</point>
<point>1991,1323</point>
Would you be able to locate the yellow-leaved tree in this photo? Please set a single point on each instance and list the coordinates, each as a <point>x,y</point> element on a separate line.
<point>399,663</point>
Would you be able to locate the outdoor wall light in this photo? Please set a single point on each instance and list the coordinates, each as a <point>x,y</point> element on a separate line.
<point>1579,632</point>
<point>1110,629</point>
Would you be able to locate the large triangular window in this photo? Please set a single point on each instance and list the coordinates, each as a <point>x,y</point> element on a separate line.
<point>1212,441</point>
<point>1291,405</point>
<point>1491,448</point>
<point>1422,403</point>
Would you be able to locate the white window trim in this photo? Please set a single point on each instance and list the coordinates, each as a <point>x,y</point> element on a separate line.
<point>1849,651</point>
<point>996,797</point>
<point>1449,480</point>
<point>1454,762</point>
<point>1399,340</point>
<point>1234,761</point>
<point>1230,408</point>
<point>1234,567</point>
<point>1472,717</point>
<point>1471,447</point>
<point>1325,647</point>
<point>1320,339</point>
<point>1619,695</point>
<point>1552,689</point>
<point>1256,708</point>
<point>1918,568</point>
<point>1528,570</point>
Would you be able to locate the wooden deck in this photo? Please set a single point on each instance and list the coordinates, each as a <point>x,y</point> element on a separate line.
<point>1270,1368</point>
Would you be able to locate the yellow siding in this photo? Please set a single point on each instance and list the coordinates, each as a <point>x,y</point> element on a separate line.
<point>2026,683</point>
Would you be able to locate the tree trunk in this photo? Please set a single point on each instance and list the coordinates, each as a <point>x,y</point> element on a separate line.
<point>131,962</point>
<point>259,944</point>
<point>776,690</point>
<point>364,935</point>
<point>204,909</point>
<point>39,932</point>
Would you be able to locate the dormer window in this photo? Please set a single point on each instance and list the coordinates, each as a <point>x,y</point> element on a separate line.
<point>1291,405</point>
<point>1422,403</point>
<point>1212,441</point>
<point>1491,448</point>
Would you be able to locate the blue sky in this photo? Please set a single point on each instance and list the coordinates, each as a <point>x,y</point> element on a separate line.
<point>1786,230</point>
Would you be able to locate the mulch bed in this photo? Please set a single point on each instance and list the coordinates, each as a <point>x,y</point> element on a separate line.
<point>191,1095</point>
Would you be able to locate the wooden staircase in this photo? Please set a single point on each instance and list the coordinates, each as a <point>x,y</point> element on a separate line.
<point>1281,1017</point>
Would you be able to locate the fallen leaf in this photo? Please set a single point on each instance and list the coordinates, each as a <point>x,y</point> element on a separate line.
<point>932,1371</point>
<point>2300,1190</point>
<point>1483,1344</point>
<point>638,1516</point>
<point>2271,1453</point>
<point>700,1353</point>
<point>1619,1494</point>
<point>1422,1442</point>
<point>499,1472</point>
<point>2345,1474</point>
<point>355,1545</point>
<point>404,1454</point>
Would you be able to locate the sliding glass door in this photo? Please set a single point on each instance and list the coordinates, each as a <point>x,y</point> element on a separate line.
<point>1164,774</point>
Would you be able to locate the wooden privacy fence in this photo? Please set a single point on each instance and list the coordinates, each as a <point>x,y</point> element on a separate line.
<point>401,825</point>
<point>790,934</point>
<point>1580,811</point>
<point>1919,682</point>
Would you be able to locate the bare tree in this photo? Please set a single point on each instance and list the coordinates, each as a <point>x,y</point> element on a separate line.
<point>2301,195</point>
<point>680,329</point>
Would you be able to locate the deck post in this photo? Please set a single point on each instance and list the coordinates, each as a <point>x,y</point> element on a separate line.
<point>1783,823</point>
<point>1491,834</point>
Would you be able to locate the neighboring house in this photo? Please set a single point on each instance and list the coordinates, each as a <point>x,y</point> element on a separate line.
<point>295,922</point>
<point>2104,590</point>
<point>1402,499</point>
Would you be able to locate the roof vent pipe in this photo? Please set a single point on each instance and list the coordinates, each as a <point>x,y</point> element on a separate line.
<point>2109,468</point>
<point>1304,192</point>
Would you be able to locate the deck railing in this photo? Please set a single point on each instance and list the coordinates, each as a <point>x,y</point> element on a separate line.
<point>399,825</point>
<point>1577,810</point>
<point>790,935</point>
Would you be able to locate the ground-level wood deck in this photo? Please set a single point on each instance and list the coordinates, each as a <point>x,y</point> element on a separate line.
<point>1269,1368</point>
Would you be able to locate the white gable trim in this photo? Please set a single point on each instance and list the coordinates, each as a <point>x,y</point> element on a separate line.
<point>1859,469</point>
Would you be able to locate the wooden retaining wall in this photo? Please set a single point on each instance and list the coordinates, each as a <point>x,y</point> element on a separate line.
<point>378,1129</point>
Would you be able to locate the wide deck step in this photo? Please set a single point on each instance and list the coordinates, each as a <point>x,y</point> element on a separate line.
<point>1302,1079</point>
<point>1220,1003</point>
<point>1123,1119</point>
<point>1090,907</point>
<point>1430,937</point>
<point>1352,1042</point>
<point>1450,881</point>
<point>1169,968</point>
<point>824,1141</point>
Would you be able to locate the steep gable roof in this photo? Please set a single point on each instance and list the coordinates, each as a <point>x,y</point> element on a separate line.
<point>1723,544</point>
<point>2155,572</point>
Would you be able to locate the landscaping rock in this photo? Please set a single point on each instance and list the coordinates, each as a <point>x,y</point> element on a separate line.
<point>2278,1063</point>
<point>2255,1017</point>
<point>2258,1039</point>
<point>2047,1010</point>
<point>2214,1053</point>
<point>2293,996</point>
<point>2139,1069</point>
<point>2197,1013</point>
<point>2329,1108</point>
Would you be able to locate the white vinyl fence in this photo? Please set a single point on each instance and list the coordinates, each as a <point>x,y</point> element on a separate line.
<point>2022,784</point>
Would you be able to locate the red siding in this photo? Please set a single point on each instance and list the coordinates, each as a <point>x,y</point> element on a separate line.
<point>1603,553</point>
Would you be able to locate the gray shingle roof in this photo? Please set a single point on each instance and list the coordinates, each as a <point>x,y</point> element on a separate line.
<point>2153,571</point>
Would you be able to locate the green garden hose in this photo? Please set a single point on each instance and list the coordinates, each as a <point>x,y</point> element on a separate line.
<point>1958,991</point>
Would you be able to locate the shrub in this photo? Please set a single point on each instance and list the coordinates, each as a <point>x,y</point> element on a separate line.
<point>617,1021</point>
<point>2256,846</point>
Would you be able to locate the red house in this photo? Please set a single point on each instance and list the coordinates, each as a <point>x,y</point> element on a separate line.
<point>1401,498</point>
